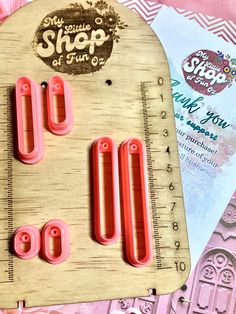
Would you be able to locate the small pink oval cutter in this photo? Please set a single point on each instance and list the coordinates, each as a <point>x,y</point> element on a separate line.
<point>137,221</point>
<point>106,191</point>
<point>27,242</point>
<point>55,242</point>
<point>59,106</point>
<point>30,147</point>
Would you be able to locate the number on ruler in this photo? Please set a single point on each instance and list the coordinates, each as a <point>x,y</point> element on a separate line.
<point>165,133</point>
<point>160,81</point>
<point>175,226</point>
<point>163,114</point>
<point>180,266</point>
<point>177,245</point>
<point>169,168</point>
<point>171,187</point>
<point>173,206</point>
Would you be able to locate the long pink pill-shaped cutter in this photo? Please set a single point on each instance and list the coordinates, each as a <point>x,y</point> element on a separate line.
<point>55,242</point>
<point>30,147</point>
<point>134,175</point>
<point>27,242</point>
<point>59,106</point>
<point>106,193</point>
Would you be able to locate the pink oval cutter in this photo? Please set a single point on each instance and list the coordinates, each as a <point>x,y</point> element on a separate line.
<point>55,242</point>
<point>136,202</point>
<point>59,104</point>
<point>106,192</point>
<point>27,241</point>
<point>30,147</point>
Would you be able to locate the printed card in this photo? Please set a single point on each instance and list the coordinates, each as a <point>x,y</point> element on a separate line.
<point>203,71</point>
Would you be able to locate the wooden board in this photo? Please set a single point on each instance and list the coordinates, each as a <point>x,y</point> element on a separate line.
<point>138,103</point>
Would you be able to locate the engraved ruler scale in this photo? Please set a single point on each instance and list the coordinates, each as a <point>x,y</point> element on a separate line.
<point>121,88</point>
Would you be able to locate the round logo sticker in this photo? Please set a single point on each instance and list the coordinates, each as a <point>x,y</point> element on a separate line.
<point>78,40</point>
<point>209,72</point>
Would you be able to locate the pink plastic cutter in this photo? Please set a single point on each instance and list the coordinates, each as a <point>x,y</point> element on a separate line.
<point>134,256</point>
<point>26,88</point>
<point>106,145</point>
<point>55,242</point>
<point>58,87</point>
<point>27,241</point>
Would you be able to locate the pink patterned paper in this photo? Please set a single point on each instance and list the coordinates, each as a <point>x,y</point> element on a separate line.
<point>146,9</point>
<point>225,29</point>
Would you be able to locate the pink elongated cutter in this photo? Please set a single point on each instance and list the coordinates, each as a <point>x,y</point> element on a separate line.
<point>107,147</point>
<point>28,89</point>
<point>137,254</point>
<point>27,242</point>
<point>59,88</point>
<point>55,242</point>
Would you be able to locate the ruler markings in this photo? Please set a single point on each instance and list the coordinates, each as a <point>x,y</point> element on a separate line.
<point>150,115</point>
<point>10,183</point>
<point>166,267</point>
<point>150,172</point>
<point>7,181</point>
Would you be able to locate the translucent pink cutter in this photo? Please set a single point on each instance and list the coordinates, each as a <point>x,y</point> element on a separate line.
<point>55,242</point>
<point>27,241</point>
<point>106,145</point>
<point>59,88</point>
<point>28,89</point>
<point>129,147</point>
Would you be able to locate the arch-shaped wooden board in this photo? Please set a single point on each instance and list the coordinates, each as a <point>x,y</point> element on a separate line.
<point>138,103</point>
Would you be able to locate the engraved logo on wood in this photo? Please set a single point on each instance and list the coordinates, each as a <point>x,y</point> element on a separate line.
<point>78,40</point>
